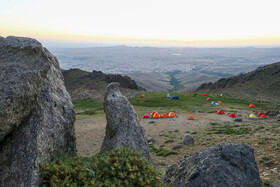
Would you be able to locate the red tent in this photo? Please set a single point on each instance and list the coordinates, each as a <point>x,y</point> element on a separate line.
<point>142,95</point>
<point>232,115</point>
<point>261,113</point>
<point>146,116</point>
<point>205,94</point>
<point>208,99</point>
<point>252,105</point>
<point>187,95</point>
<point>220,112</point>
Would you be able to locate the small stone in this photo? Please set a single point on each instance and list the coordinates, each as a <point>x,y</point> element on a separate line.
<point>188,140</point>
<point>238,119</point>
<point>151,122</point>
<point>161,134</point>
<point>265,173</point>
<point>267,163</point>
<point>150,139</point>
<point>278,116</point>
<point>178,146</point>
<point>176,130</point>
<point>150,143</point>
<point>224,132</point>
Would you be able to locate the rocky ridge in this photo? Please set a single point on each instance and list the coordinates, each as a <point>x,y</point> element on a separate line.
<point>262,84</point>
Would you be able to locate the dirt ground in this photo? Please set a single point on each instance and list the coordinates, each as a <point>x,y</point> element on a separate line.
<point>263,137</point>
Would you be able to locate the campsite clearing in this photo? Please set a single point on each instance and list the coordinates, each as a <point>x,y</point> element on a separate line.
<point>208,128</point>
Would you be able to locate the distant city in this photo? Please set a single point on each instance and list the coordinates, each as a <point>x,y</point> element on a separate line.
<point>126,60</point>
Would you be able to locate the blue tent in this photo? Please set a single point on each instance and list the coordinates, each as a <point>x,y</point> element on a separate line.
<point>168,96</point>
<point>221,94</point>
<point>213,103</point>
<point>175,97</point>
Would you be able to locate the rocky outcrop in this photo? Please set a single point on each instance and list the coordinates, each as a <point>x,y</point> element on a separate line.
<point>36,115</point>
<point>123,127</point>
<point>229,164</point>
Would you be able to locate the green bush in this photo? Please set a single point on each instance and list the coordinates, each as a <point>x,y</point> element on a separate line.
<point>120,167</point>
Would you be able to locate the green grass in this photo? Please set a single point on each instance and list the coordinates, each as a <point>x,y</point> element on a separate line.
<point>87,107</point>
<point>228,129</point>
<point>158,101</point>
<point>161,151</point>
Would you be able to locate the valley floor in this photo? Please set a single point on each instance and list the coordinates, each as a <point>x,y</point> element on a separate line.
<point>208,129</point>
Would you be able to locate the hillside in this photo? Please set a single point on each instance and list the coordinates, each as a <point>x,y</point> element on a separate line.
<point>81,84</point>
<point>262,84</point>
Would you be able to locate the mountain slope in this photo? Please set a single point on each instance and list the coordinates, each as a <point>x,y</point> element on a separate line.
<point>262,84</point>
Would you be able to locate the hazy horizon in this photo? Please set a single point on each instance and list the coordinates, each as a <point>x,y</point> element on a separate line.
<point>163,23</point>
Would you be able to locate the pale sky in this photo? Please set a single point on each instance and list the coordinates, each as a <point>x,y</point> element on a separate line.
<point>177,22</point>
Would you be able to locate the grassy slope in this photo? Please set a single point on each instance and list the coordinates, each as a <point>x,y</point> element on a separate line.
<point>158,101</point>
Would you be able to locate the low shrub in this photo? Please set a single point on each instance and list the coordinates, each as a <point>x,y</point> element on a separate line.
<point>119,167</point>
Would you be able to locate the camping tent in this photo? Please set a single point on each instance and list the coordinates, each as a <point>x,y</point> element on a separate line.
<point>175,97</point>
<point>187,95</point>
<point>205,94</point>
<point>217,104</point>
<point>263,116</point>
<point>153,113</point>
<point>208,99</point>
<point>232,115</point>
<point>164,115</point>
<point>222,95</point>
<point>220,112</point>
<point>142,95</point>
<point>261,113</point>
<point>190,118</point>
<point>252,116</point>
<point>156,115</point>
<point>146,116</point>
<point>213,103</point>
<point>220,102</point>
<point>252,105</point>
<point>168,96</point>
<point>171,115</point>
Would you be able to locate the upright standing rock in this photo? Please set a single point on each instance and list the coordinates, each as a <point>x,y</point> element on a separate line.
<point>229,164</point>
<point>36,112</point>
<point>123,127</point>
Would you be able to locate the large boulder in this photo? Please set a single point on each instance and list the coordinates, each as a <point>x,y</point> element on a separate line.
<point>229,164</point>
<point>36,112</point>
<point>123,127</point>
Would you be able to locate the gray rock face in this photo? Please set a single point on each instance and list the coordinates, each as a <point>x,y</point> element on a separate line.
<point>21,80</point>
<point>37,120</point>
<point>123,127</point>
<point>188,140</point>
<point>229,164</point>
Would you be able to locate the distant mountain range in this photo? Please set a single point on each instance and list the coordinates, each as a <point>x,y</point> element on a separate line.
<point>262,84</point>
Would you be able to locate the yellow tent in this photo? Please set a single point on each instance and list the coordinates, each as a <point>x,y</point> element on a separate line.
<point>252,116</point>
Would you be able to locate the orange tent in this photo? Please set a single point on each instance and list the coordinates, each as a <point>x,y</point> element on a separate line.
<point>153,113</point>
<point>220,102</point>
<point>252,105</point>
<point>263,116</point>
<point>171,115</point>
<point>142,95</point>
<point>156,115</point>
<point>190,118</point>
<point>187,95</point>
<point>164,115</point>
